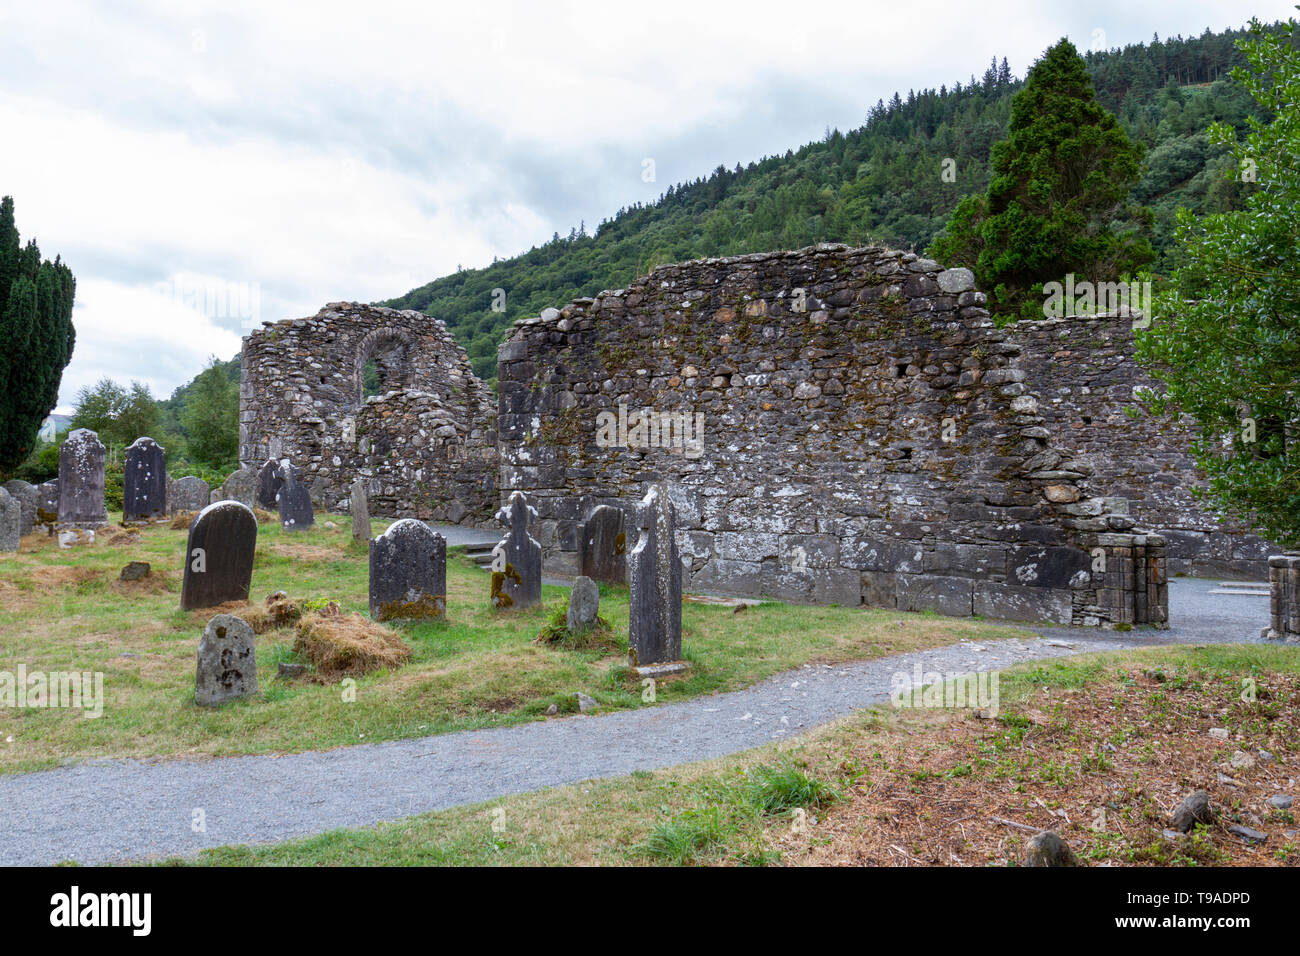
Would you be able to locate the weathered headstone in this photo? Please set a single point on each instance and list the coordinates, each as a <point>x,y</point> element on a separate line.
<point>604,545</point>
<point>584,605</point>
<point>227,666</point>
<point>408,572</point>
<point>190,493</point>
<point>28,497</point>
<point>144,481</point>
<point>48,495</point>
<point>519,554</point>
<point>294,500</point>
<point>11,521</point>
<point>655,575</point>
<point>359,505</point>
<point>81,481</point>
<point>219,556</point>
<point>268,485</point>
<point>240,486</point>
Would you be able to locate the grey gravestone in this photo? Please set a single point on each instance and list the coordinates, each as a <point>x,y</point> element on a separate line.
<point>49,495</point>
<point>521,553</point>
<point>655,575</point>
<point>81,481</point>
<point>359,505</point>
<point>604,546</point>
<point>268,484</point>
<point>294,500</point>
<point>408,573</point>
<point>227,661</point>
<point>219,556</point>
<point>144,481</point>
<point>28,497</point>
<point>189,494</point>
<point>584,605</point>
<point>134,571</point>
<point>240,486</point>
<point>11,521</point>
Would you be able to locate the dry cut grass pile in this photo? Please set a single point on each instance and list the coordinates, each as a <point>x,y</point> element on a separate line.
<point>342,644</point>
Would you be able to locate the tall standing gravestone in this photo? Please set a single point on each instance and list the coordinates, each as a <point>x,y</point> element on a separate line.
<point>408,573</point>
<point>227,665</point>
<point>655,575</point>
<point>81,481</point>
<point>219,556</point>
<point>294,500</point>
<point>268,485</point>
<point>11,521</point>
<point>190,493</point>
<point>519,555</point>
<point>604,546</point>
<point>28,497</point>
<point>359,505</point>
<point>144,481</point>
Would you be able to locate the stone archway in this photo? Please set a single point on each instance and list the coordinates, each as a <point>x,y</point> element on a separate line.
<point>390,349</point>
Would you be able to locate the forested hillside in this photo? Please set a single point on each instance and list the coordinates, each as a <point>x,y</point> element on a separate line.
<point>884,182</point>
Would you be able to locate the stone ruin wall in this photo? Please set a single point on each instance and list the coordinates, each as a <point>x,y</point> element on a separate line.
<point>1085,369</point>
<point>869,437</point>
<point>427,445</point>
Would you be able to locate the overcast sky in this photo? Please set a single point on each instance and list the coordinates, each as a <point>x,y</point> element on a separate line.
<point>205,166</point>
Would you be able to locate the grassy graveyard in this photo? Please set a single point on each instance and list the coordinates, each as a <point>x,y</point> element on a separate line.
<point>67,610</point>
<point>1099,748</point>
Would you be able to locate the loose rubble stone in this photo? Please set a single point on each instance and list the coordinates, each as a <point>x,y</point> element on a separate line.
<point>1048,849</point>
<point>1194,809</point>
<point>135,570</point>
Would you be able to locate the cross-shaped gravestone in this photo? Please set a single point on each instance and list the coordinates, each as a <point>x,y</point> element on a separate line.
<point>144,481</point>
<point>219,556</point>
<point>294,500</point>
<point>81,481</point>
<point>604,546</point>
<point>518,557</point>
<point>655,575</point>
<point>408,573</point>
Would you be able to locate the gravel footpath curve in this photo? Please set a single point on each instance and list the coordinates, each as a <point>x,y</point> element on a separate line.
<point>103,811</point>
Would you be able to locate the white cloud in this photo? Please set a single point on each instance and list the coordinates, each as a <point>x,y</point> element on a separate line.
<point>345,151</point>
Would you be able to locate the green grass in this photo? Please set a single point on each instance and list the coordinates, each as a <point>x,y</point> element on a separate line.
<point>735,810</point>
<point>66,610</point>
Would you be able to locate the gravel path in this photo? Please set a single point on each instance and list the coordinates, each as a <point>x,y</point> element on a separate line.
<point>106,811</point>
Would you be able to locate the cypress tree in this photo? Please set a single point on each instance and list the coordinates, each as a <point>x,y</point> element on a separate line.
<point>36,337</point>
<point>1059,180</point>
